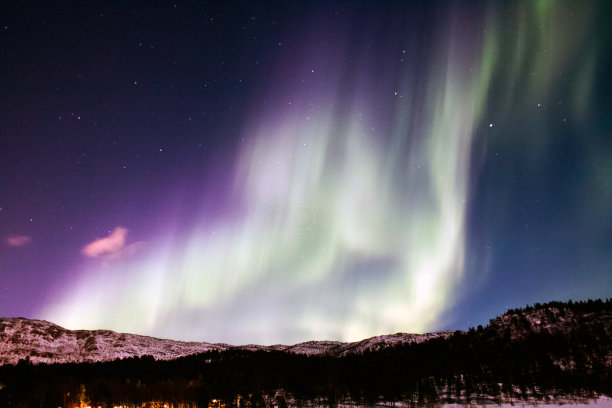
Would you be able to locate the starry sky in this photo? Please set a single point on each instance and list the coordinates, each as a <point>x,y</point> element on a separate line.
<point>276,172</point>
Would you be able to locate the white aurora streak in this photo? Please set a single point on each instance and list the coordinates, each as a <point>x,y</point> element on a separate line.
<point>343,232</point>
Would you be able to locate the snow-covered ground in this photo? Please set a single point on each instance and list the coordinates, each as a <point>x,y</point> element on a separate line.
<point>602,402</point>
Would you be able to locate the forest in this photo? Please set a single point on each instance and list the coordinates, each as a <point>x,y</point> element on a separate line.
<point>506,360</point>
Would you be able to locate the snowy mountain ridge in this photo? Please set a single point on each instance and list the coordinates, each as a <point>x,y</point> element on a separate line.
<point>44,342</point>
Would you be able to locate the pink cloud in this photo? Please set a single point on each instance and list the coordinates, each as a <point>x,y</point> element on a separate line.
<point>110,244</point>
<point>18,241</point>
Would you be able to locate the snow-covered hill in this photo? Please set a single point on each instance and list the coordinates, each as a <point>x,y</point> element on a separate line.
<point>337,348</point>
<point>44,342</point>
<point>554,318</point>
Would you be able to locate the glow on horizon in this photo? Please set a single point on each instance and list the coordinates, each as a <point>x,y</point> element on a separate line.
<point>340,232</point>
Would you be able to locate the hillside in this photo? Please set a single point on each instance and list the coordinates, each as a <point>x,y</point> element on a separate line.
<point>43,342</point>
<point>555,318</point>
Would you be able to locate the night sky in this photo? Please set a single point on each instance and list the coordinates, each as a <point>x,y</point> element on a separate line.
<point>266,172</point>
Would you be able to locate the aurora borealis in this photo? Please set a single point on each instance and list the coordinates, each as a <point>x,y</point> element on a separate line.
<point>281,173</point>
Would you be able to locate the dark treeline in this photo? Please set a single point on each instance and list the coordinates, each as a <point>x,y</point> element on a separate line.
<point>466,366</point>
<point>580,306</point>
